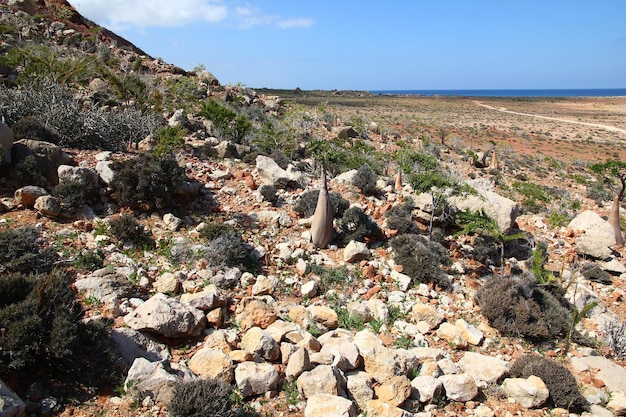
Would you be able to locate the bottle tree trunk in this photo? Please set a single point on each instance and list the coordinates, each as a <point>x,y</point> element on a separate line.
<point>322,232</point>
<point>614,221</point>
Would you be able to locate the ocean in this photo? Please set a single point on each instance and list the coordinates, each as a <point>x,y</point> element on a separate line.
<point>588,92</point>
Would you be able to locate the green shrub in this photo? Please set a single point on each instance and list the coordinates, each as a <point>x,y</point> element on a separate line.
<point>90,260</point>
<point>268,192</point>
<point>126,228</point>
<point>168,139</point>
<point>147,179</point>
<point>224,245</point>
<point>561,384</point>
<point>355,224</point>
<point>280,158</point>
<point>535,196</point>
<point>421,259</point>
<point>22,251</point>
<point>517,306</point>
<point>306,203</point>
<point>202,397</point>
<point>365,180</point>
<point>400,218</point>
<point>599,192</point>
<point>72,194</point>
<point>28,172</point>
<point>30,127</point>
<point>40,326</point>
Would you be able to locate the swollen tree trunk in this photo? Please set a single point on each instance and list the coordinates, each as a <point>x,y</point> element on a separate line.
<point>614,220</point>
<point>398,185</point>
<point>494,161</point>
<point>322,231</point>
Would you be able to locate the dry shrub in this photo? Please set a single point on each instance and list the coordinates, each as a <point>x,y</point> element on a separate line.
<point>201,398</point>
<point>421,259</point>
<point>560,382</point>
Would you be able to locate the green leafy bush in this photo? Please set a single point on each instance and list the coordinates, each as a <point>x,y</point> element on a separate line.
<point>90,260</point>
<point>28,172</point>
<point>355,224</point>
<point>535,196</point>
<point>22,251</point>
<point>224,245</point>
<point>306,203</point>
<point>365,180</point>
<point>72,194</point>
<point>126,228</point>
<point>561,384</point>
<point>421,259</point>
<point>202,397</point>
<point>147,179</point>
<point>168,139</point>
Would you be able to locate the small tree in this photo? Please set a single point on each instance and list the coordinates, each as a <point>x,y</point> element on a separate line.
<point>610,171</point>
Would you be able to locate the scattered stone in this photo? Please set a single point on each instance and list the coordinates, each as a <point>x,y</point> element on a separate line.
<point>617,403</point>
<point>265,285</point>
<point>207,299</point>
<point>261,343</point>
<point>470,334</point>
<point>322,379</point>
<point>451,334</point>
<point>426,313</point>
<point>256,313</point>
<point>167,283</point>
<point>324,315</point>
<point>394,391</point>
<point>379,408</point>
<point>529,393</point>
<point>27,195</point>
<point>355,252</point>
<point>132,344</point>
<point>360,387</point>
<point>106,283</point>
<point>484,369</point>
<point>212,363</point>
<point>599,235</point>
<point>48,205</point>
<point>327,405</point>
<point>459,387</point>
<point>309,288</point>
<point>154,379</point>
<point>425,388</point>
<point>172,222</point>
<point>167,316</point>
<point>255,378</point>
<point>298,363</point>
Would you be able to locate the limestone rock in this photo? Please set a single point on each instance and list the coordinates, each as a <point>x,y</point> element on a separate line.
<point>48,157</point>
<point>394,391</point>
<point>322,379</point>
<point>459,387</point>
<point>451,334</point>
<point>324,315</point>
<point>611,374</point>
<point>106,283</point>
<point>265,285</point>
<point>298,363</point>
<point>212,363</point>
<point>617,404</point>
<point>48,205</point>
<point>87,177</point>
<point>426,313</point>
<point>530,392</point>
<point>208,299</point>
<point>500,208</point>
<point>279,329</point>
<point>172,222</point>
<point>29,194</point>
<point>327,405</point>
<point>425,388</point>
<point>470,333</point>
<point>484,369</point>
<point>379,408</point>
<point>103,168</point>
<point>343,349</point>
<point>256,313</point>
<point>10,404</point>
<point>259,342</point>
<point>167,283</point>
<point>309,288</point>
<point>255,378</point>
<point>272,174</point>
<point>360,387</point>
<point>154,379</point>
<point>167,316</point>
<point>355,252</point>
<point>132,344</point>
<point>599,235</point>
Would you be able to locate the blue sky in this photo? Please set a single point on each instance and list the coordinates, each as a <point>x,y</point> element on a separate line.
<point>376,45</point>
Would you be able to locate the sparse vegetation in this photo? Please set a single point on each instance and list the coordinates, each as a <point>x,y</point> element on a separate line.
<point>201,398</point>
<point>421,259</point>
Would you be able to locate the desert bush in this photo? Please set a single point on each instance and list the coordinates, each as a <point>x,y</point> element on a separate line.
<point>22,251</point>
<point>201,397</point>
<point>400,218</point>
<point>421,259</point>
<point>72,194</point>
<point>147,179</point>
<point>268,192</point>
<point>365,180</point>
<point>89,260</point>
<point>599,192</point>
<point>535,196</point>
<point>355,224</point>
<point>168,139</point>
<point>127,229</point>
<point>306,203</point>
<point>518,306</point>
<point>280,158</point>
<point>40,325</point>
<point>616,338</point>
<point>30,127</point>
<point>226,122</point>
<point>561,384</point>
<point>75,125</point>
<point>224,245</point>
<point>28,172</point>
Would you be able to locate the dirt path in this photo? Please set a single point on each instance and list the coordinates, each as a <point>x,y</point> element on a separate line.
<point>504,110</point>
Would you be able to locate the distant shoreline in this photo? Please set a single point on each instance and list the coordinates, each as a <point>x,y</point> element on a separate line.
<point>554,93</point>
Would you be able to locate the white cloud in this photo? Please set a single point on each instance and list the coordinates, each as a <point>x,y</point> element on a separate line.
<point>116,14</point>
<point>296,23</point>
<point>123,14</point>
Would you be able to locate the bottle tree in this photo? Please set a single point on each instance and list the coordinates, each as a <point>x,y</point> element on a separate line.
<point>614,174</point>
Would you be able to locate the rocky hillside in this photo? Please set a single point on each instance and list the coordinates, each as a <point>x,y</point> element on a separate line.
<point>170,246</point>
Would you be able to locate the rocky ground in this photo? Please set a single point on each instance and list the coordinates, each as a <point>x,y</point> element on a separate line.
<point>340,330</point>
